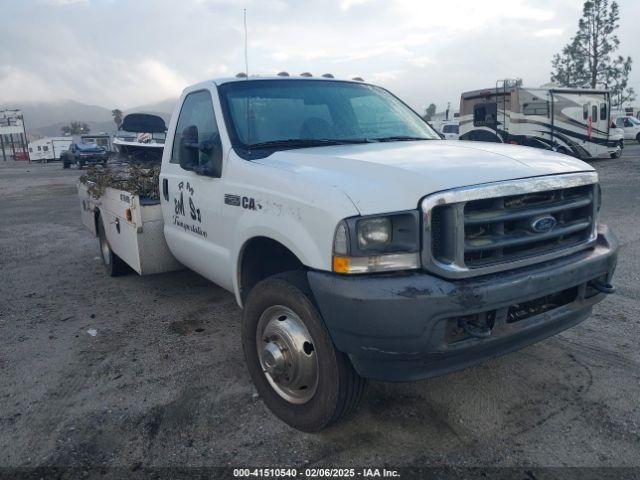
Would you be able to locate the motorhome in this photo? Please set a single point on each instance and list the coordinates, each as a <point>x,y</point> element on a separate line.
<point>627,112</point>
<point>570,121</point>
<point>48,149</point>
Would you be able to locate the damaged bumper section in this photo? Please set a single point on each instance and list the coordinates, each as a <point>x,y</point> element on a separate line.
<point>401,327</point>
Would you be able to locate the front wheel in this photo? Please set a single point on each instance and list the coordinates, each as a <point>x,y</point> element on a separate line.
<point>292,361</point>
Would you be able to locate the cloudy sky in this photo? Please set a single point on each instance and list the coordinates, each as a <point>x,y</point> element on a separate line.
<point>123,53</point>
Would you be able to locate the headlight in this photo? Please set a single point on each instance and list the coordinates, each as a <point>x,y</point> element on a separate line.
<point>374,232</point>
<point>377,243</point>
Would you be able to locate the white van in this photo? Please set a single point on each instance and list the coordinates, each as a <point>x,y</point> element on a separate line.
<point>630,126</point>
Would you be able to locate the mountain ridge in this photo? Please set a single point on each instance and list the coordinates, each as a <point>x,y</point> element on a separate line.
<point>45,119</point>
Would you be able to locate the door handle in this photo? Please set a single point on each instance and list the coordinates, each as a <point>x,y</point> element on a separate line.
<point>165,189</point>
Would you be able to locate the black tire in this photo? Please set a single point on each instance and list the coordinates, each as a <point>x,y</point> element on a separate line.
<point>339,388</point>
<point>65,165</point>
<point>80,165</point>
<point>638,138</point>
<point>113,264</point>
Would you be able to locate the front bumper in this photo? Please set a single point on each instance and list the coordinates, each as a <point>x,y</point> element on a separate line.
<point>400,327</point>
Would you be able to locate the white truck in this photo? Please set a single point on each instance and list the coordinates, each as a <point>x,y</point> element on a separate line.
<point>630,127</point>
<point>358,243</point>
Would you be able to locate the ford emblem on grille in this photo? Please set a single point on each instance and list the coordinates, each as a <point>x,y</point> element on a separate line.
<point>543,224</point>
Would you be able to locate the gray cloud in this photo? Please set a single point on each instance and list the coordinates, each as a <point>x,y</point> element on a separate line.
<point>126,53</point>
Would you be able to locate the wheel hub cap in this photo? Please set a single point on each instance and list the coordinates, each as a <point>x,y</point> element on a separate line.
<point>287,354</point>
<point>273,359</point>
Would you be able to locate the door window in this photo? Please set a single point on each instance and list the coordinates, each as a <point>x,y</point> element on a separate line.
<point>197,137</point>
<point>603,111</point>
<point>594,113</point>
<point>585,111</point>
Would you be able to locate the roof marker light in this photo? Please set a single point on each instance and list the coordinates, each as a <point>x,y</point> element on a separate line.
<point>327,75</point>
<point>283,74</point>
<point>306,74</point>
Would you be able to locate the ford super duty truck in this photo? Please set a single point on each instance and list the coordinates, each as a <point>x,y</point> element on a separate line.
<point>359,244</point>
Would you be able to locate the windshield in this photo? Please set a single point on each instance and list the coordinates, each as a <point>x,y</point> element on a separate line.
<point>294,113</point>
<point>634,121</point>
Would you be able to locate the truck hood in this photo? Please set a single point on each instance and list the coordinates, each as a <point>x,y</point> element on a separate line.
<point>387,177</point>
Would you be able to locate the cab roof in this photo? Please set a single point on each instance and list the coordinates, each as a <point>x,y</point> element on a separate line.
<point>223,80</point>
<point>220,81</point>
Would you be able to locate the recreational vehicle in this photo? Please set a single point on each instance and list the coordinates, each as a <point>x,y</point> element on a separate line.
<point>571,121</point>
<point>48,149</point>
<point>626,112</point>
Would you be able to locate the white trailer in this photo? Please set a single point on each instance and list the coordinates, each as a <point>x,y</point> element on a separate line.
<point>48,149</point>
<point>571,121</point>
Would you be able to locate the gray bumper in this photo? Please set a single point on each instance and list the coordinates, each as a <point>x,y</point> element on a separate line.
<point>401,327</point>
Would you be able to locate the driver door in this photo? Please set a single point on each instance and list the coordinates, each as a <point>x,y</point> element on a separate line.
<point>192,200</point>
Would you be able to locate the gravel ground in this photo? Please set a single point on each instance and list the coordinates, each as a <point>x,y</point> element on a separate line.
<point>163,382</point>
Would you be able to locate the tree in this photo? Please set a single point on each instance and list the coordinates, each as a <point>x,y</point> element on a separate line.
<point>76,128</point>
<point>621,92</point>
<point>117,117</point>
<point>430,111</point>
<point>586,62</point>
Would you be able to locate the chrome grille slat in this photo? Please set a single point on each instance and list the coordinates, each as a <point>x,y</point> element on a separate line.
<point>500,215</point>
<point>515,240</point>
<point>488,228</point>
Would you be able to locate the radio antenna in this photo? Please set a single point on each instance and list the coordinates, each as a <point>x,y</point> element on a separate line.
<point>246,54</point>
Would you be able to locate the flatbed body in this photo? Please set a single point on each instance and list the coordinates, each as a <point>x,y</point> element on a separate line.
<point>133,227</point>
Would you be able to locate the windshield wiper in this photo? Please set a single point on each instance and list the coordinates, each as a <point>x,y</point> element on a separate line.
<point>306,142</point>
<point>399,138</point>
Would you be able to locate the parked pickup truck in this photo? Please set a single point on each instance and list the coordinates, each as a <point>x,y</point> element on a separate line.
<point>357,242</point>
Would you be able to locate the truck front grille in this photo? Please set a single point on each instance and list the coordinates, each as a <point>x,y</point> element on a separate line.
<point>499,226</point>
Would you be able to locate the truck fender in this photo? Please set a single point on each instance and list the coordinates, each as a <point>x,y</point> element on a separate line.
<point>312,255</point>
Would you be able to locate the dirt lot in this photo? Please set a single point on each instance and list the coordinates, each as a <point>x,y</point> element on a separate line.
<point>164,383</point>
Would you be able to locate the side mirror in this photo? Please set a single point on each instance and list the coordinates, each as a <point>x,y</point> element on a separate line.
<point>212,150</point>
<point>203,158</point>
